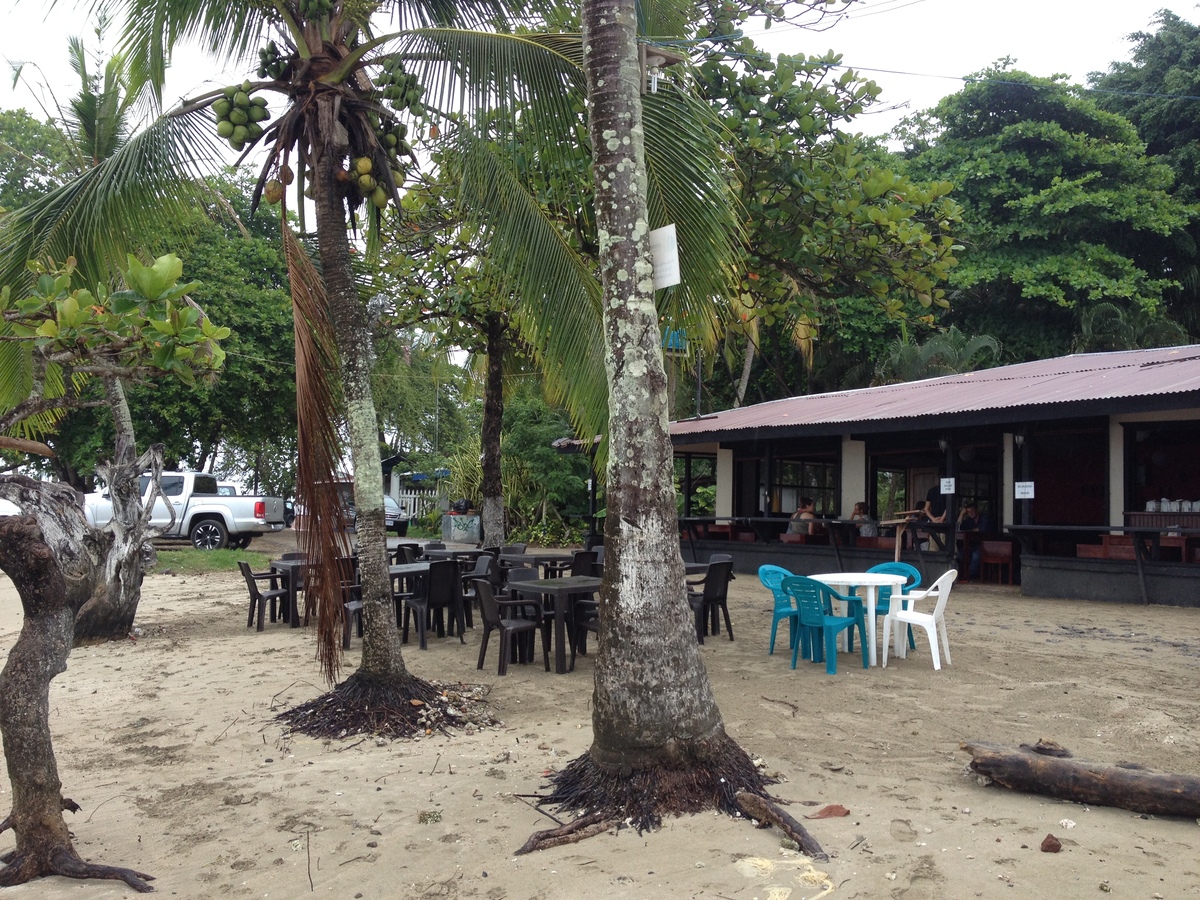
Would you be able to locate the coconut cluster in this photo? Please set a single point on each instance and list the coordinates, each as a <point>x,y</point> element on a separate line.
<point>399,88</point>
<point>239,116</point>
<point>271,63</point>
<point>315,9</point>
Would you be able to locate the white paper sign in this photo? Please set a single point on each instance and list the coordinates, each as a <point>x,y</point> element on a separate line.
<point>664,251</point>
<point>1023,490</point>
<point>947,485</point>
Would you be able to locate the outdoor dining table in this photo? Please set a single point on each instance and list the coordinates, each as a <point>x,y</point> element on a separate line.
<point>447,553</point>
<point>535,560</point>
<point>559,589</point>
<point>290,570</point>
<point>870,582</point>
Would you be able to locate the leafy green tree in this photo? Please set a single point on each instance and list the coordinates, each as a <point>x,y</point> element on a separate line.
<point>32,158</point>
<point>1062,208</point>
<point>62,334</point>
<point>244,285</point>
<point>825,220</point>
<point>1156,91</point>
<point>558,481</point>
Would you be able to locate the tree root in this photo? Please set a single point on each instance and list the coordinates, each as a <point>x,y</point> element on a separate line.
<point>570,833</point>
<point>708,775</point>
<point>756,806</point>
<point>391,709</point>
<point>65,862</point>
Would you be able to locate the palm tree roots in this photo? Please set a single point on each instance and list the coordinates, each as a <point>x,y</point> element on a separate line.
<point>719,776</point>
<point>391,708</point>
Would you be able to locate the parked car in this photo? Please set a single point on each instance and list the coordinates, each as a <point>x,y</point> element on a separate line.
<point>394,518</point>
<point>204,517</point>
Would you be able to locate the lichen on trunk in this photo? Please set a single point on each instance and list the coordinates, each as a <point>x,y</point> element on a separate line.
<point>659,745</point>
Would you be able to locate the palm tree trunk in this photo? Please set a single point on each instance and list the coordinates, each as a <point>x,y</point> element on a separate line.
<point>381,655</point>
<point>747,367</point>
<point>658,741</point>
<point>652,692</point>
<point>493,418</point>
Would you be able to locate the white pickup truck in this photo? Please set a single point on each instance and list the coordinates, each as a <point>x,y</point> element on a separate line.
<point>202,516</point>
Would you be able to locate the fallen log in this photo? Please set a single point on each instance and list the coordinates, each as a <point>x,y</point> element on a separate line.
<point>1135,789</point>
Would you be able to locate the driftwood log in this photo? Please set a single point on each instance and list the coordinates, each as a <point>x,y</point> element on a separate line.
<point>1033,771</point>
<point>763,810</point>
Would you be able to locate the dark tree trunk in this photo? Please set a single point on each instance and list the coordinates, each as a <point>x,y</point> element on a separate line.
<point>493,418</point>
<point>54,561</point>
<point>109,613</point>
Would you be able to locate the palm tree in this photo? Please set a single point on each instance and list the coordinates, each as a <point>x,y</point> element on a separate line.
<point>659,743</point>
<point>1108,326</point>
<point>946,352</point>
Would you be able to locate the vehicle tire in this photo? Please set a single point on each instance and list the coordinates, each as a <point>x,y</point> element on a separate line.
<point>241,543</point>
<point>209,534</point>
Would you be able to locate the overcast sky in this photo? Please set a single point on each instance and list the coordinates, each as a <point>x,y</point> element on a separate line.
<point>916,50</point>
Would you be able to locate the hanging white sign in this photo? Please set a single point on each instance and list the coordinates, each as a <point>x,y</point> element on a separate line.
<point>664,252</point>
<point>1023,490</point>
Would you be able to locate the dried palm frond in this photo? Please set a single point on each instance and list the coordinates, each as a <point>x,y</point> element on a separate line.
<point>318,396</point>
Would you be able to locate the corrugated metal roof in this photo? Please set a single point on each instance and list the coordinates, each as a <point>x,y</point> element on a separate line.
<point>1085,377</point>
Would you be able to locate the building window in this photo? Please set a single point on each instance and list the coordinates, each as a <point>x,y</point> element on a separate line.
<point>794,480</point>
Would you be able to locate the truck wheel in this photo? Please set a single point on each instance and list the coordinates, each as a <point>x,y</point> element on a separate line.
<point>209,534</point>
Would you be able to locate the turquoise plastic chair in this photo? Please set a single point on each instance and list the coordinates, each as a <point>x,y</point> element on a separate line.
<point>884,597</point>
<point>814,601</point>
<point>772,579</point>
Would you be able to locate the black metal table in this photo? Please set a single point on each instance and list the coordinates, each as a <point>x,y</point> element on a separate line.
<point>559,589</point>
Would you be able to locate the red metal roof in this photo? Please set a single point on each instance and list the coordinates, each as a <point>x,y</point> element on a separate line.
<point>1085,377</point>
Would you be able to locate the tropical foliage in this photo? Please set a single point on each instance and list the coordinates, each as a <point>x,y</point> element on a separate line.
<point>1062,208</point>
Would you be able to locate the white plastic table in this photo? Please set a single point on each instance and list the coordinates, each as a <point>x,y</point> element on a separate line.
<point>870,582</point>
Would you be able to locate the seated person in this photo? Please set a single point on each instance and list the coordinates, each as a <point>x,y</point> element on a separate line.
<point>802,521</point>
<point>968,520</point>
<point>968,517</point>
<point>867,527</point>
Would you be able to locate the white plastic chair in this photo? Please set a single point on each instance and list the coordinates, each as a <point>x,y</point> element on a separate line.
<point>933,622</point>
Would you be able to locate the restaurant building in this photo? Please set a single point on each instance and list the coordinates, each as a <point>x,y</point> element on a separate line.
<point>1085,469</point>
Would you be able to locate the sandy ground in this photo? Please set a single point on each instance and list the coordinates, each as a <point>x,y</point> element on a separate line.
<point>169,745</point>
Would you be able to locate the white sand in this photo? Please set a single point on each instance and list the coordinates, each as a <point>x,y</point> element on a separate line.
<point>170,747</point>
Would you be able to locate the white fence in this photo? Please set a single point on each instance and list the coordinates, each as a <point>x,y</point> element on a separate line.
<point>416,502</point>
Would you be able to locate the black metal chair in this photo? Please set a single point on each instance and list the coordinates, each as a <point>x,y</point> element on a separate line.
<point>439,592</point>
<point>275,595</point>
<point>348,577</point>
<point>713,595</point>
<point>490,611</point>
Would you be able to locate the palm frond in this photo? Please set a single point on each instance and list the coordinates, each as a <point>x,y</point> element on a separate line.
<point>688,186</point>
<point>104,213</point>
<point>558,296</point>
<point>318,448</point>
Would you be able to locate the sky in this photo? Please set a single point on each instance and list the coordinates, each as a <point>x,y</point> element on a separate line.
<point>916,50</point>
